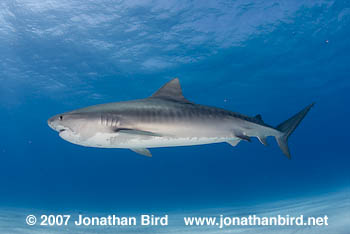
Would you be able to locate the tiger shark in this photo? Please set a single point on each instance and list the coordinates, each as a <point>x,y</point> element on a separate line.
<point>166,119</point>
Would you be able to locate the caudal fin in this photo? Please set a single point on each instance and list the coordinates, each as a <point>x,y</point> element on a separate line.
<point>287,128</point>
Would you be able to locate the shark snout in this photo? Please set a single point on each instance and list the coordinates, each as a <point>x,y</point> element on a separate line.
<point>51,123</point>
<point>50,120</point>
<point>54,123</point>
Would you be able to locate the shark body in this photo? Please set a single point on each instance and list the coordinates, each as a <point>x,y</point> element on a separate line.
<point>166,119</point>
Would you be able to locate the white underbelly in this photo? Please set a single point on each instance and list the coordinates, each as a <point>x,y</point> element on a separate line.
<point>122,140</point>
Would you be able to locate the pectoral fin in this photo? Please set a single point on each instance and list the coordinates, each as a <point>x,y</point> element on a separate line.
<point>142,151</point>
<point>136,132</point>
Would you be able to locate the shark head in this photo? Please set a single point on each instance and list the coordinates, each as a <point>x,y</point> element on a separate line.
<point>63,122</point>
<point>74,127</point>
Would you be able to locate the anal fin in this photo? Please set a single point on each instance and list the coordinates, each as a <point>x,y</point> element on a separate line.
<point>262,139</point>
<point>142,151</point>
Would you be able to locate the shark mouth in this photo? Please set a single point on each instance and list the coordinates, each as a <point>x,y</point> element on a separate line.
<point>62,130</point>
<point>65,130</point>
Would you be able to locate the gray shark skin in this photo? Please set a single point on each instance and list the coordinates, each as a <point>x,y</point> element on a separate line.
<point>166,119</point>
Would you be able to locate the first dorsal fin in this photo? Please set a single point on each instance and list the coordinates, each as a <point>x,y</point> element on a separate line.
<point>171,90</point>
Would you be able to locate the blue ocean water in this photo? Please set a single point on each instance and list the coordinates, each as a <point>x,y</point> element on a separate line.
<point>255,57</point>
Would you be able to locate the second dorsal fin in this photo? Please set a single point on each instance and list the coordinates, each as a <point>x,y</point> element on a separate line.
<point>171,90</point>
<point>258,116</point>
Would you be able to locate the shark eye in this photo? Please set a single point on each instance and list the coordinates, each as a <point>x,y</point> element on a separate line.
<point>61,117</point>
